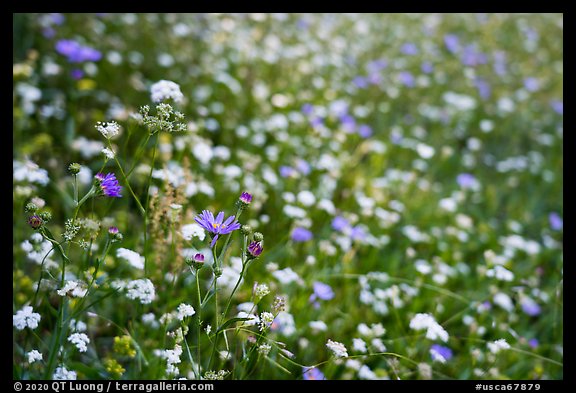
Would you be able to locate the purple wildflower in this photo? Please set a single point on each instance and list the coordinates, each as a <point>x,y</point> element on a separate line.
<point>360,82</point>
<point>113,230</point>
<point>556,222</point>
<point>340,224</point>
<point>321,291</point>
<point>440,353</point>
<point>287,171</point>
<point>303,166</point>
<point>312,374</point>
<point>427,67</point>
<point>406,78</point>
<point>365,131</point>
<point>483,88</point>
<point>409,49</point>
<point>35,221</point>
<point>533,342</point>
<point>77,53</point>
<point>376,65</point>
<point>217,226</point>
<point>466,180</point>
<point>77,73</point>
<point>500,63</point>
<point>199,258</point>
<point>530,307</point>
<point>301,235</point>
<point>307,109</point>
<point>255,249</point>
<point>109,185</point>
<point>452,43</point>
<point>245,198</point>
<point>531,84</point>
<point>358,233</point>
<point>348,122</point>
<point>558,106</point>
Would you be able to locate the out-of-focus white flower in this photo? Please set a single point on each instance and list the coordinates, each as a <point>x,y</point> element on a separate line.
<point>132,257</point>
<point>164,89</point>
<point>337,348</point>
<point>73,288</point>
<point>434,331</point>
<point>61,373</point>
<point>193,230</point>
<point>30,172</point>
<point>33,356</point>
<point>498,345</point>
<point>185,310</point>
<point>26,318</point>
<point>80,340</point>
<point>142,290</point>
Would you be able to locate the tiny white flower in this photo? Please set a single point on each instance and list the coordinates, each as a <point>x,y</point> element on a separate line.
<point>26,318</point>
<point>264,349</point>
<point>33,356</point>
<point>81,341</point>
<point>132,257</point>
<point>108,153</point>
<point>359,345</point>
<point>266,319</point>
<point>337,348</point>
<point>193,230</point>
<point>108,129</point>
<point>61,373</point>
<point>498,345</point>
<point>185,310</point>
<point>164,89</point>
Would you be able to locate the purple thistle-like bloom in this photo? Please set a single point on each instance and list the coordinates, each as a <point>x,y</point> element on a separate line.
<point>109,185</point>
<point>312,374</point>
<point>113,230</point>
<point>199,258</point>
<point>216,225</point>
<point>35,221</point>
<point>301,235</point>
<point>556,222</point>
<point>246,198</point>
<point>255,249</point>
<point>440,353</point>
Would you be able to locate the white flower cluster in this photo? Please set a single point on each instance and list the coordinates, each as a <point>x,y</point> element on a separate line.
<point>338,349</point>
<point>266,319</point>
<point>185,310</point>
<point>30,172</point>
<point>193,230</point>
<point>132,257</point>
<point>108,129</point>
<point>142,290</point>
<point>172,357</point>
<point>26,318</point>
<point>264,349</point>
<point>37,249</point>
<point>33,356</point>
<point>62,373</point>
<point>164,89</point>
<point>498,345</point>
<point>73,288</point>
<point>260,291</point>
<point>81,341</point>
<point>434,331</point>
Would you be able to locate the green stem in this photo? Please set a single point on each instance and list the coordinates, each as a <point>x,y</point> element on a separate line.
<point>147,202</point>
<point>142,210</point>
<point>199,321</point>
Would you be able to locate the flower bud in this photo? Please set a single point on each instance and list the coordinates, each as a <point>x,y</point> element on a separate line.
<point>35,221</point>
<point>258,237</point>
<point>30,208</point>
<point>74,168</point>
<point>246,230</point>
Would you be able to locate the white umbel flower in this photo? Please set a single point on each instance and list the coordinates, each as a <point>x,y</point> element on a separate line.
<point>164,89</point>
<point>185,310</point>
<point>142,290</point>
<point>498,345</point>
<point>132,257</point>
<point>26,318</point>
<point>193,230</point>
<point>62,373</point>
<point>81,341</point>
<point>434,331</point>
<point>72,288</point>
<point>108,129</point>
<point>33,356</point>
<point>338,349</point>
